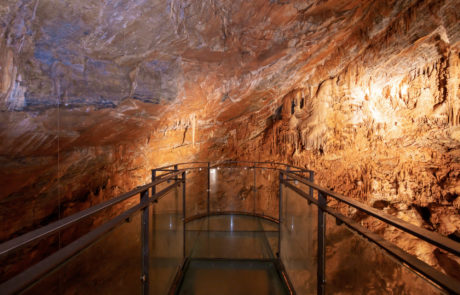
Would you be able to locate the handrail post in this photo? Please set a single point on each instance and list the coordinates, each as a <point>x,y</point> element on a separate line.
<point>321,264</point>
<point>209,186</point>
<point>280,194</point>
<point>154,176</point>
<point>145,243</point>
<point>183,210</point>
<point>312,180</point>
<point>255,189</point>
<point>175,170</point>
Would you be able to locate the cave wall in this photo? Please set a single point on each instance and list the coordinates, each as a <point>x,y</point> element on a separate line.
<point>391,141</point>
<point>366,93</point>
<point>41,185</point>
<point>397,145</point>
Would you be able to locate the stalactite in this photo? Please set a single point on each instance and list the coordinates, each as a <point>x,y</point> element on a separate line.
<point>193,119</point>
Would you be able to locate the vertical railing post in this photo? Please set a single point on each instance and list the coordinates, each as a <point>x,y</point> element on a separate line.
<point>145,243</point>
<point>209,186</point>
<point>280,194</point>
<point>175,170</point>
<point>280,206</point>
<point>312,180</point>
<point>145,240</point>
<point>154,176</point>
<point>183,210</point>
<point>321,276</point>
<point>255,189</point>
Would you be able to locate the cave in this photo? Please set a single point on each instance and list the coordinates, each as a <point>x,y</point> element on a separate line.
<point>240,107</point>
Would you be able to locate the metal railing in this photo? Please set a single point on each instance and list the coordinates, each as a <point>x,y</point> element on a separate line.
<point>32,274</point>
<point>448,283</point>
<point>177,175</point>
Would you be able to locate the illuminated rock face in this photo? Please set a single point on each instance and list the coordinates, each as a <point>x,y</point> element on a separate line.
<point>399,158</point>
<point>366,93</point>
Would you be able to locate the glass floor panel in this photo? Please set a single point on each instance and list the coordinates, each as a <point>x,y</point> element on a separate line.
<point>232,222</point>
<point>232,237</point>
<point>231,254</point>
<point>220,276</point>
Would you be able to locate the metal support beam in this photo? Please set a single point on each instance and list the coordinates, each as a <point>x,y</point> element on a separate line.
<point>321,275</point>
<point>154,189</point>
<point>145,243</point>
<point>284,276</point>
<point>37,271</point>
<point>280,194</point>
<point>154,176</point>
<point>448,283</point>
<point>286,178</point>
<point>431,237</point>
<point>312,179</point>
<point>175,169</point>
<point>183,211</point>
<point>48,230</point>
<point>255,190</point>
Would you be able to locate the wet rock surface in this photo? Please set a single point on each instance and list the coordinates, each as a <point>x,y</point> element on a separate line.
<point>366,93</point>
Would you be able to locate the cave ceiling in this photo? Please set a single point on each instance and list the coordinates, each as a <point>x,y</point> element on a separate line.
<point>140,64</point>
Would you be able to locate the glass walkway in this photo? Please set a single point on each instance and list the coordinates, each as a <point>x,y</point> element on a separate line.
<point>226,228</point>
<point>232,254</point>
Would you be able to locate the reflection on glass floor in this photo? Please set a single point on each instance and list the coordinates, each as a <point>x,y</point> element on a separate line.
<point>231,254</point>
<point>232,236</point>
<point>216,276</point>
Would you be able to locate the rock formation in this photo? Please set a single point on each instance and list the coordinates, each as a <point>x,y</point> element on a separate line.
<point>367,93</point>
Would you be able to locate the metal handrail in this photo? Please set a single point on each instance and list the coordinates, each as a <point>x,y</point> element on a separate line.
<point>280,164</point>
<point>185,163</point>
<point>267,162</point>
<point>19,242</point>
<point>45,231</point>
<point>418,265</point>
<point>36,271</point>
<point>220,163</point>
<point>426,235</point>
<point>66,222</point>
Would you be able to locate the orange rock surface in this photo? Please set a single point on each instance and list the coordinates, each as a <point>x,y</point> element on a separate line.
<point>93,94</point>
